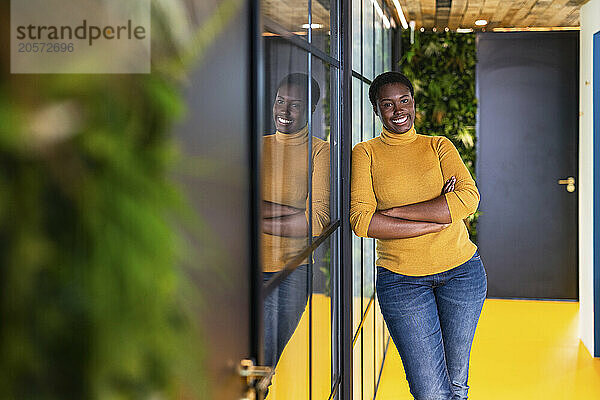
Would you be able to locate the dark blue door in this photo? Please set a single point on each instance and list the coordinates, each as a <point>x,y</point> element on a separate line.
<point>528,141</point>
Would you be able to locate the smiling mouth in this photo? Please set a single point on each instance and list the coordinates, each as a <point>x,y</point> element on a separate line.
<point>284,121</point>
<point>400,120</point>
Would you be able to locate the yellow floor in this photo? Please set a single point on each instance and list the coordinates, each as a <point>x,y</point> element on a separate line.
<point>290,381</point>
<point>522,350</point>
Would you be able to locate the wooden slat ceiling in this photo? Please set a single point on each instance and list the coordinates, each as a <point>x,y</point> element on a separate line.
<point>292,14</point>
<point>499,13</point>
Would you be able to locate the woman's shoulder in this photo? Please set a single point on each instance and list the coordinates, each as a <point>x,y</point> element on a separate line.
<point>367,145</point>
<point>319,144</point>
<point>430,138</point>
<point>436,141</point>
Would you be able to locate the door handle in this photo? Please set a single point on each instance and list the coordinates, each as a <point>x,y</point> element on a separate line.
<point>570,182</point>
<point>257,378</point>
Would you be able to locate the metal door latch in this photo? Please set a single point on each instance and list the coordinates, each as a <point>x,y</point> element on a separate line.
<point>570,182</point>
<point>258,378</point>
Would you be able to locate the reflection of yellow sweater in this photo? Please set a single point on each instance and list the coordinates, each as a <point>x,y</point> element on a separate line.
<point>285,181</point>
<point>393,170</point>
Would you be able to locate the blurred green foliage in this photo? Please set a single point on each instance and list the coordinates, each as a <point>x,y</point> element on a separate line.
<point>441,67</point>
<point>94,298</point>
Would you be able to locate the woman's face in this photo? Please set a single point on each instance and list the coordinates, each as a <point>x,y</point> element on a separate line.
<point>395,107</point>
<point>289,111</point>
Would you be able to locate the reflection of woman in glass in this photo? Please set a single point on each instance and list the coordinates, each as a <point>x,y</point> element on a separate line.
<point>412,192</point>
<point>285,206</point>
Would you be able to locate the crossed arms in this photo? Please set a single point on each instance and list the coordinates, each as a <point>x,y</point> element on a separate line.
<point>282,220</point>
<point>289,221</point>
<point>459,198</point>
<point>414,219</point>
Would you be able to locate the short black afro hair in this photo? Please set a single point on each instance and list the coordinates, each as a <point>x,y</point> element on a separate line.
<point>385,79</point>
<point>301,80</point>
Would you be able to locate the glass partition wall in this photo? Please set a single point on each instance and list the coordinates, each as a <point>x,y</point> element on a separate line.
<point>299,160</point>
<point>371,55</point>
<point>301,224</point>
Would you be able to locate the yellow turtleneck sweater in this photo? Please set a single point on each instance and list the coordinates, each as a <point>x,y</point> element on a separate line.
<point>393,170</point>
<point>285,182</point>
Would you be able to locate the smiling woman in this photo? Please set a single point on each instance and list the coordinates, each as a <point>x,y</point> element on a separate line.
<point>392,99</point>
<point>289,109</point>
<point>411,192</point>
<point>295,172</point>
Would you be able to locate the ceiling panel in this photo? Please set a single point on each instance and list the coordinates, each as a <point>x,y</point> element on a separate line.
<point>499,13</point>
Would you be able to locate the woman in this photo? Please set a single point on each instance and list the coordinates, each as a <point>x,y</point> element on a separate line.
<point>285,207</point>
<point>411,192</point>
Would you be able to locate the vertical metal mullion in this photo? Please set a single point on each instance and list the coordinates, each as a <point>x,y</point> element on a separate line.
<point>374,316</point>
<point>374,54</point>
<point>361,139</point>
<point>310,208</point>
<point>335,309</point>
<point>374,51</point>
<point>396,39</point>
<point>362,256</point>
<point>372,134</point>
<point>335,79</point>
<point>346,332</point>
<point>334,45</point>
<point>333,265</point>
<point>255,110</point>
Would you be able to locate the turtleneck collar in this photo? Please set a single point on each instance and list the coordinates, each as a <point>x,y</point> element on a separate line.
<point>295,138</point>
<point>393,139</point>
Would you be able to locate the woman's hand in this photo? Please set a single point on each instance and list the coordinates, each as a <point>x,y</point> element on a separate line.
<point>440,227</point>
<point>449,185</point>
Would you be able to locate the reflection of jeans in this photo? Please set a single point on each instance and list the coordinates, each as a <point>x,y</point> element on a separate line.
<point>283,308</point>
<point>432,320</point>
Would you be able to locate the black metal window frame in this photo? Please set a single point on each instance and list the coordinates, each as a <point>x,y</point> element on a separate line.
<point>339,231</point>
<point>335,231</point>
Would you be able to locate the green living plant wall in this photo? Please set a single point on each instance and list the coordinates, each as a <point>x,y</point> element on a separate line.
<point>94,297</point>
<point>441,67</point>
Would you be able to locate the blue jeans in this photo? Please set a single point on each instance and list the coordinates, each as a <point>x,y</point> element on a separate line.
<point>283,308</point>
<point>432,320</point>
